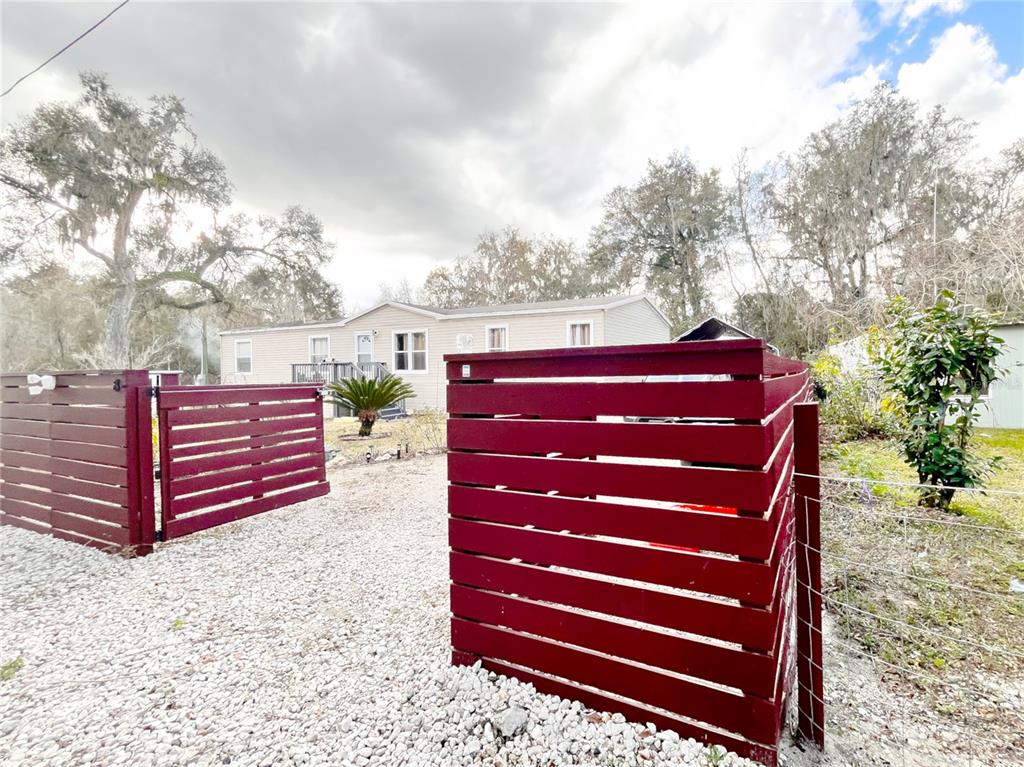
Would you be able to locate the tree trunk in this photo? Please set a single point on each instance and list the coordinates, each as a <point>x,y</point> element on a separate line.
<point>366,427</point>
<point>117,348</point>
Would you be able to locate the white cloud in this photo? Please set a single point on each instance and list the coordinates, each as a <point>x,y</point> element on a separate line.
<point>963,73</point>
<point>909,11</point>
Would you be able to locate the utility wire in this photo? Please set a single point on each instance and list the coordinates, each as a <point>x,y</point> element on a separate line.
<point>58,53</point>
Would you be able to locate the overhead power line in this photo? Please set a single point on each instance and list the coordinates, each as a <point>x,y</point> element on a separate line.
<point>58,53</point>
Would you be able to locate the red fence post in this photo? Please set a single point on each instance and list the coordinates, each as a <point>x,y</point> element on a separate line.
<point>811,722</point>
<point>139,455</point>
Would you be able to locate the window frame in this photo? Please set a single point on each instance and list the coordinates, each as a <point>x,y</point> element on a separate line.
<point>251,356</point>
<point>310,347</point>
<point>487,337</point>
<point>568,333</point>
<point>426,351</point>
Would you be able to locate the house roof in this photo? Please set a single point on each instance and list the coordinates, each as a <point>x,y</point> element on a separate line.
<point>710,329</point>
<point>538,307</point>
<point>713,328</point>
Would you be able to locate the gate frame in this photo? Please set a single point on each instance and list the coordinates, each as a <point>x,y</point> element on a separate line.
<point>322,487</point>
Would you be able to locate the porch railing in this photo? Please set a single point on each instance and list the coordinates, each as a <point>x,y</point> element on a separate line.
<point>332,371</point>
<point>329,372</point>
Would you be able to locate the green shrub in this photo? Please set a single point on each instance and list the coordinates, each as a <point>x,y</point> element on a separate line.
<point>367,397</point>
<point>853,401</point>
<point>940,362</point>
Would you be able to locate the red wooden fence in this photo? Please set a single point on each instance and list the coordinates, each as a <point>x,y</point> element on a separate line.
<point>228,452</point>
<point>642,567</point>
<point>76,461</point>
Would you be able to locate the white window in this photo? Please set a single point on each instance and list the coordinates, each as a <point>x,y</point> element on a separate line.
<point>319,348</point>
<point>411,351</point>
<point>243,356</point>
<point>579,333</point>
<point>497,338</point>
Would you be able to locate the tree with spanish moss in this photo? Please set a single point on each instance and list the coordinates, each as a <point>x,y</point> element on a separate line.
<point>130,187</point>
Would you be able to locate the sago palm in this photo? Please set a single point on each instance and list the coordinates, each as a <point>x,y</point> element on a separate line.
<point>368,396</point>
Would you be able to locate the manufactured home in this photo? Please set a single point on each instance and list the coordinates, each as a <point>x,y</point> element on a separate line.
<point>411,340</point>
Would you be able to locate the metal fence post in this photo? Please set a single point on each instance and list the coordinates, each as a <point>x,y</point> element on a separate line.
<point>807,487</point>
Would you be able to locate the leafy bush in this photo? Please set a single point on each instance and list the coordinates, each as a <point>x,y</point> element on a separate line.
<point>853,401</point>
<point>368,396</point>
<point>940,362</point>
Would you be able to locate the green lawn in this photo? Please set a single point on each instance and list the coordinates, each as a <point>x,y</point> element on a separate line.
<point>881,459</point>
<point>919,588</point>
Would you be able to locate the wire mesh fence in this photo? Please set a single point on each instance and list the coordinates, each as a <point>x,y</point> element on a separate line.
<point>923,625</point>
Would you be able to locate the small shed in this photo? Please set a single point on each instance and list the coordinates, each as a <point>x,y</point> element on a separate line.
<point>714,329</point>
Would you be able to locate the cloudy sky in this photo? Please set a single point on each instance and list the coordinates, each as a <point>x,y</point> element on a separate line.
<point>410,128</point>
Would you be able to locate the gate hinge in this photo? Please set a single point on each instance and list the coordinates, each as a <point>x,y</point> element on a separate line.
<point>152,391</point>
<point>158,535</point>
<point>117,384</point>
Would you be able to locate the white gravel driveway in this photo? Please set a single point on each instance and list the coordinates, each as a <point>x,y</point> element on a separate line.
<point>316,634</point>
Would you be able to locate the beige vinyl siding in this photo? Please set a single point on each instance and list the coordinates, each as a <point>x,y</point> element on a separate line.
<point>635,323</point>
<point>525,331</point>
<point>274,351</point>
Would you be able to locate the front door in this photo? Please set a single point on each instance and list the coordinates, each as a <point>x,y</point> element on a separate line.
<point>364,349</point>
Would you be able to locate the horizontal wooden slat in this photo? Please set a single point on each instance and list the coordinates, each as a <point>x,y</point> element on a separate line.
<point>743,714</point>
<point>197,483</point>
<point>777,391</point>
<point>193,435</point>
<point>93,416</point>
<point>735,579</point>
<point>749,626</point>
<point>743,400</point>
<point>190,503</point>
<point>633,710</point>
<point>744,357</point>
<point>184,526</point>
<point>226,413</point>
<point>24,523</point>
<point>742,536</point>
<point>104,378</point>
<point>25,510</point>
<point>176,397</point>
<point>93,472</point>
<point>243,443</point>
<point>775,365</point>
<point>730,666</point>
<point>84,540</point>
<point>68,432</point>
<point>746,489</point>
<point>92,490</point>
<point>66,503</point>
<point>191,466</point>
<point>76,451</point>
<point>90,528</point>
<point>736,444</point>
<point>63,395</point>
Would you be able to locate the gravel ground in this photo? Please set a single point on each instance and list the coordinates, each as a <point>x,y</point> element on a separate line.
<point>316,634</point>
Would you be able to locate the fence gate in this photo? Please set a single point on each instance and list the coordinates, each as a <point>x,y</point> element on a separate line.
<point>228,452</point>
<point>75,458</point>
<point>621,529</point>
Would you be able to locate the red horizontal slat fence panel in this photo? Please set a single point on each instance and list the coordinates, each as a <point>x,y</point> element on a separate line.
<point>72,457</point>
<point>621,529</point>
<point>230,452</point>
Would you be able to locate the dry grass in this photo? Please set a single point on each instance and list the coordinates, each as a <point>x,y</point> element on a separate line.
<point>423,432</point>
